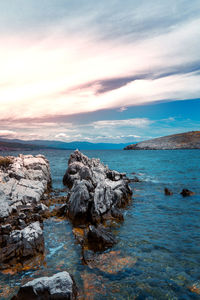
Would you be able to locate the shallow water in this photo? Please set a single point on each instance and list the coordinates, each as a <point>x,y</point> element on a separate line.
<point>158,251</point>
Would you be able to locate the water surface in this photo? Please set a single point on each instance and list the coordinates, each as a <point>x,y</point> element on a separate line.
<point>158,251</point>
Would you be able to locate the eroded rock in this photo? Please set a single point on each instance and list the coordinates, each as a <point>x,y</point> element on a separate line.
<point>95,189</point>
<point>22,184</point>
<point>19,245</point>
<point>100,238</point>
<point>96,197</point>
<point>59,286</point>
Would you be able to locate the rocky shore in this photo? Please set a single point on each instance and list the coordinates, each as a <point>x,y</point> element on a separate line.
<point>187,140</point>
<point>23,182</point>
<point>94,205</point>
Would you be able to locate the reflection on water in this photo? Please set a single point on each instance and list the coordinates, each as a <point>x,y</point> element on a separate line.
<point>158,250</point>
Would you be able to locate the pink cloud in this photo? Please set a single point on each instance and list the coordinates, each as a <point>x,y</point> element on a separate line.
<point>39,70</point>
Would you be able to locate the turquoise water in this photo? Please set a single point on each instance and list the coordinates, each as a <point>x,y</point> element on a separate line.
<point>158,251</point>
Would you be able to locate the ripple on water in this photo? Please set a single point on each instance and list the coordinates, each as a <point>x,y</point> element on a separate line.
<point>160,235</point>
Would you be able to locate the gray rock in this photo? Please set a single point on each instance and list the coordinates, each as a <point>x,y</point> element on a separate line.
<point>22,244</point>
<point>59,286</point>
<point>22,183</point>
<point>100,238</point>
<point>94,188</point>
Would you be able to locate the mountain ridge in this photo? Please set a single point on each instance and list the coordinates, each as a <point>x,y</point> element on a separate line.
<point>48,144</point>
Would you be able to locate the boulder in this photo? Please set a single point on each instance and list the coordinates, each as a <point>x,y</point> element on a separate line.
<point>186,193</point>
<point>23,182</point>
<point>59,286</point>
<point>95,189</point>
<point>19,245</point>
<point>100,238</point>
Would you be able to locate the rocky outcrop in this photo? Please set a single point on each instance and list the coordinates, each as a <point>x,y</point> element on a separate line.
<point>95,189</point>
<point>20,245</point>
<point>59,286</point>
<point>187,140</point>
<point>96,195</point>
<point>23,181</point>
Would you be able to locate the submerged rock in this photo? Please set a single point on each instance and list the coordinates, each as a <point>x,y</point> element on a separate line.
<point>186,193</point>
<point>111,262</point>
<point>168,192</point>
<point>59,286</point>
<point>23,181</point>
<point>95,189</point>
<point>135,179</point>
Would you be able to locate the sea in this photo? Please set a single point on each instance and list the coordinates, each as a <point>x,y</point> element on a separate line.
<point>157,255</point>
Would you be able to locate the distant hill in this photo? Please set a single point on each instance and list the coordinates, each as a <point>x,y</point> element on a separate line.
<point>13,146</point>
<point>66,146</point>
<point>187,140</point>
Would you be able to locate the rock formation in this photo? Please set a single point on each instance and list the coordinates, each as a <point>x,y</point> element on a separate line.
<point>23,181</point>
<point>59,286</point>
<point>187,140</point>
<point>96,193</point>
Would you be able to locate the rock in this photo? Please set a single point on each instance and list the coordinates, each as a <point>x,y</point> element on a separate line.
<point>135,179</point>
<point>95,189</point>
<point>111,262</point>
<point>19,245</point>
<point>60,210</point>
<point>186,193</point>
<point>168,192</point>
<point>22,184</point>
<point>59,286</point>
<point>99,239</point>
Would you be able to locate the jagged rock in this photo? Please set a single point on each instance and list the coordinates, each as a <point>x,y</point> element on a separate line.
<point>100,238</point>
<point>22,183</point>
<point>95,189</point>
<point>168,192</point>
<point>18,245</point>
<point>186,193</point>
<point>59,286</point>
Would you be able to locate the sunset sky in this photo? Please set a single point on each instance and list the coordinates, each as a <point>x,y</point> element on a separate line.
<point>99,71</point>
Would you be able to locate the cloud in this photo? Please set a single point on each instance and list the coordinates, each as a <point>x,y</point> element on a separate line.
<point>7,133</point>
<point>137,122</point>
<point>64,58</point>
<point>62,135</point>
<point>64,74</point>
<point>123,108</point>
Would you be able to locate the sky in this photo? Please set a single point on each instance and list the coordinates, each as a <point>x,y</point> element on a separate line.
<point>99,71</point>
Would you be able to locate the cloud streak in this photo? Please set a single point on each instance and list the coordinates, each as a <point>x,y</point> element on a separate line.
<point>63,64</point>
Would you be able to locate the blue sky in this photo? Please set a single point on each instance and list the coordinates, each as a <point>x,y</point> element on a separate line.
<point>106,71</point>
